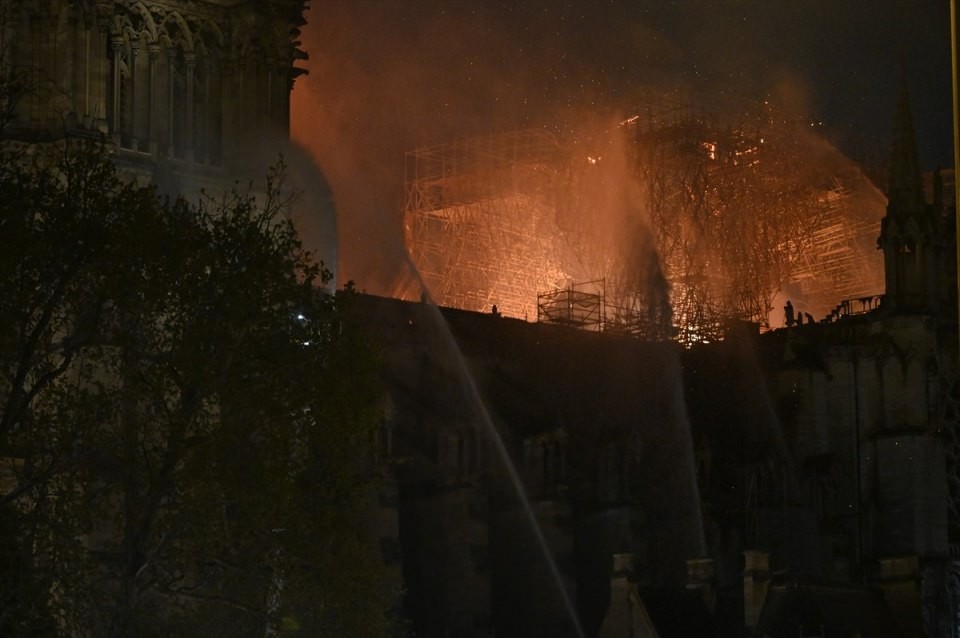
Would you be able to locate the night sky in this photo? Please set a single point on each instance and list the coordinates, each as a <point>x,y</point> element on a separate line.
<point>388,76</point>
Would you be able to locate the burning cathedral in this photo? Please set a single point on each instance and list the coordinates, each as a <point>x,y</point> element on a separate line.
<point>696,462</point>
<point>606,425</point>
<point>633,228</point>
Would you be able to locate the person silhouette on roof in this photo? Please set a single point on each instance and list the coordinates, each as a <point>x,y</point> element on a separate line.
<point>788,313</point>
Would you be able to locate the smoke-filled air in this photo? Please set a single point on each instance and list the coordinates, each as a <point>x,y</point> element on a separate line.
<point>564,163</point>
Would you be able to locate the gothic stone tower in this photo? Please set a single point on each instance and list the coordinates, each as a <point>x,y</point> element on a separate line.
<point>912,234</point>
<point>184,90</point>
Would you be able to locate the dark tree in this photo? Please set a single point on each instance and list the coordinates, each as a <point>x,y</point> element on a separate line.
<point>185,419</point>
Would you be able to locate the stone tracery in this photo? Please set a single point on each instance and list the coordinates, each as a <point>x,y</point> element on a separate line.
<point>153,79</point>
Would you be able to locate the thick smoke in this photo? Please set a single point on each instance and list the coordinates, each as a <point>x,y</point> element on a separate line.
<point>307,194</point>
<point>386,77</point>
<point>393,75</point>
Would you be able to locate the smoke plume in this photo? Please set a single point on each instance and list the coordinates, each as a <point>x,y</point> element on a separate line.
<point>388,76</point>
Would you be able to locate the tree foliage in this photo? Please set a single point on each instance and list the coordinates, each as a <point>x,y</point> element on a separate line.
<point>185,421</point>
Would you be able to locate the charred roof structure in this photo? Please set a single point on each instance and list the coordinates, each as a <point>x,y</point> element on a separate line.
<point>688,220</point>
<point>824,455</point>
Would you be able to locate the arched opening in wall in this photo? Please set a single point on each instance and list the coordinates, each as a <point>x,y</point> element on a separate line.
<point>207,137</point>
<point>164,89</point>
<point>139,103</point>
<point>118,70</point>
<point>128,69</point>
<point>178,92</point>
<point>209,95</point>
<point>185,96</point>
<point>162,100</point>
<point>255,104</point>
<point>200,128</point>
<point>180,81</point>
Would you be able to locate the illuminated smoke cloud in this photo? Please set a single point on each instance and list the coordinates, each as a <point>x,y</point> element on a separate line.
<point>395,76</point>
<point>387,77</point>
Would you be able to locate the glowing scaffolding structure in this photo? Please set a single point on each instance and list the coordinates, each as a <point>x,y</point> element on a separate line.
<point>579,306</point>
<point>840,259</point>
<point>744,210</point>
<point>479,218</point>
<point>702,196</point>
<point>717,219</point>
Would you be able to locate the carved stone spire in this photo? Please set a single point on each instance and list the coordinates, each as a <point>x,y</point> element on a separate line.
<point>904,189</point>
<point>909,233</point>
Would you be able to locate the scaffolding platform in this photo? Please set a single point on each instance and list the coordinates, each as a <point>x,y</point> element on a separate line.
<point>573,306</point>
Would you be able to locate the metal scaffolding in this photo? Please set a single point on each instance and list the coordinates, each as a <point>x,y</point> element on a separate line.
<point>575,306</point>
<point>698,224</point>
<point>839,258</point>
<point>478,220</point>
<point>744,210</point>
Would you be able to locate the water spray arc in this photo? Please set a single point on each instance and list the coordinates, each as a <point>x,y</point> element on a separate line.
<point>720,215</point>
<point>484,421</point>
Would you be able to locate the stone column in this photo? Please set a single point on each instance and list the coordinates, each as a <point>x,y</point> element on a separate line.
<point>35,103</point>
<point>226,134</point>
<point>190,60</point>
<point>171,87</point>
<point>74,59</point>
<point>134,141</point>
<point>204,123</point>
<point>88,119</point>
<point>116,45</point>
<point>153,51</point>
